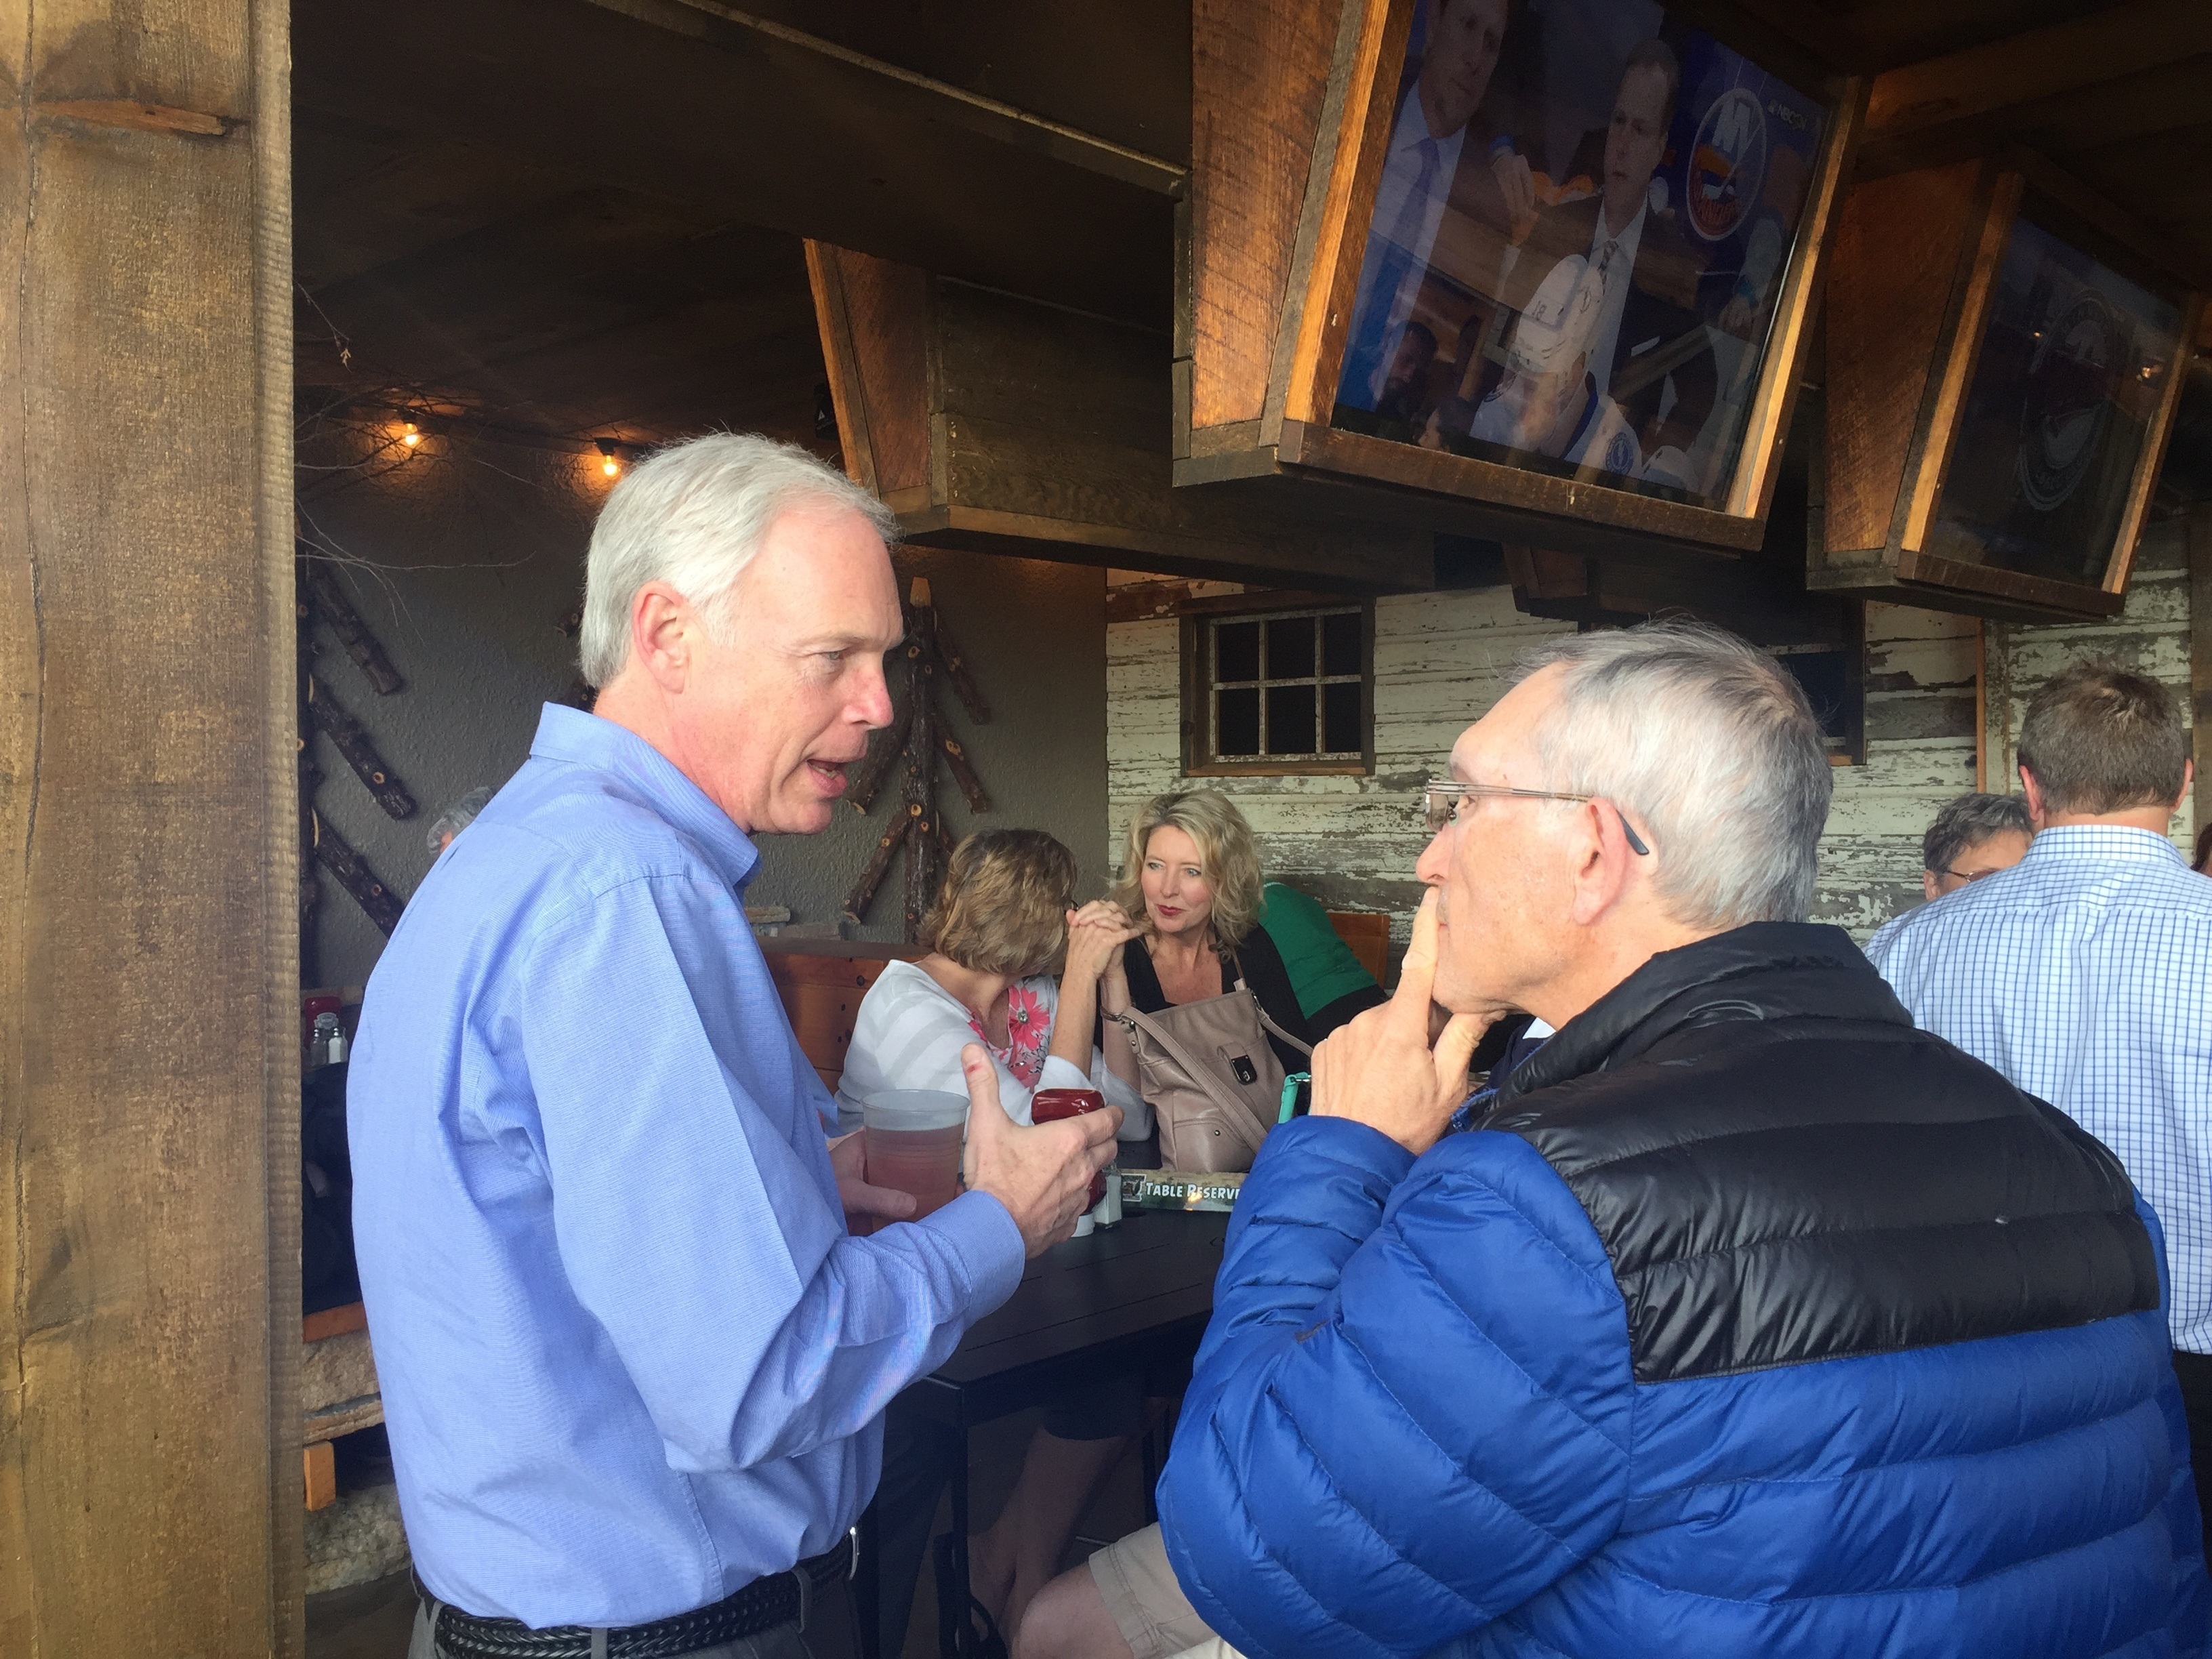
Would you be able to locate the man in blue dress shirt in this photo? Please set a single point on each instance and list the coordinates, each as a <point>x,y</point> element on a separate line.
<point>633,1365</point>
<point>2084,972</point>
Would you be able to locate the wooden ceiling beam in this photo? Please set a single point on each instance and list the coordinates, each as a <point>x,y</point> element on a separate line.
<point>1120,71</point>
<point>1996,91</point>
<point>747,122</point>
<point>1007,123</point>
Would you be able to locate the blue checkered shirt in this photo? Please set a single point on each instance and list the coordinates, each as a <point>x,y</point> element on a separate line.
<point>2084,974</point>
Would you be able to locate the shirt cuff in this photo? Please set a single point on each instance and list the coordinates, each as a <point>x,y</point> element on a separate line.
<point>989,1245</point>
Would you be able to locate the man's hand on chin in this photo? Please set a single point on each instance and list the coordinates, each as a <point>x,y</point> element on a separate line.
<point>1384,1069</point>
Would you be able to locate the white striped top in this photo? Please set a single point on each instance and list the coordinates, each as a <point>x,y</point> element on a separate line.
<point>910,1030</point>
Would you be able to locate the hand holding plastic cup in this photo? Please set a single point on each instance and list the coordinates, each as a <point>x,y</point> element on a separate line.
<point>913,1143</point>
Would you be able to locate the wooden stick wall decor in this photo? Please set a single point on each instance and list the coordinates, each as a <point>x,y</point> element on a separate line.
<point>321,597</point>
<point>918,736</point>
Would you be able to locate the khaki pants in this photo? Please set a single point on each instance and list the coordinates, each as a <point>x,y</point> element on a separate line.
<point>831,1633</point>
<point>1139,1587</point>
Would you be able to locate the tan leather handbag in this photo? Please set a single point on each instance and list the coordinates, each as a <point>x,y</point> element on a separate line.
<point>1214,1084</point>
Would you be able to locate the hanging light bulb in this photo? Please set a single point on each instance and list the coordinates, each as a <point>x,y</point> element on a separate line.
<point>610,462</point>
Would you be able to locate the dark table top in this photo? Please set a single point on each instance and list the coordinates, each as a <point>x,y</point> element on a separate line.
<point>1138,1295</point>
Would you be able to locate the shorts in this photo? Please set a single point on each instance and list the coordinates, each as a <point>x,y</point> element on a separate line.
<point>1098,1408</point>
<point>1155,1618</point>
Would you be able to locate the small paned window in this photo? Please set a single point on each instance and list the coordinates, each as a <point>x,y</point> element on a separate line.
<point>1279,691</point>
<point>1833,679</point>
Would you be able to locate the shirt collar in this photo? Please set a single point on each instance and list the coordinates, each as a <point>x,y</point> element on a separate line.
<point>573,737</point>
<point>2068,842</point>
<point>1413,126</point>
<point>1631,234</point>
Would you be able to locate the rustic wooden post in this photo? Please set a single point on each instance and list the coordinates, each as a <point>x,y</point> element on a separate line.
<point>150,1474</point>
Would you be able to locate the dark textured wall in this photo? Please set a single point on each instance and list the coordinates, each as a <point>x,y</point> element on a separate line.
<point>467,566</point>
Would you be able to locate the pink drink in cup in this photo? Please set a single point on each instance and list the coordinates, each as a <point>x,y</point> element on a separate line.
<point>914,1136</point>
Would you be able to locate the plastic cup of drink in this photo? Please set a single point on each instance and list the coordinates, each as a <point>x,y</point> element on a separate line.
<point>1049,1106</point>
<point>913,1143</point>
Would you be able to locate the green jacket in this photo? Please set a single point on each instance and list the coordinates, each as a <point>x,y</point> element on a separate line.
<point>1323,967</point>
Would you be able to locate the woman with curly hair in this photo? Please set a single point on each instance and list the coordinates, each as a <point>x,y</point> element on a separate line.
<point>1005,919</point>
<point>1005,916</point>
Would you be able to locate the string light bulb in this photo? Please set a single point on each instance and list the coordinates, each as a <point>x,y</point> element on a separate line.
<point>610,462</point>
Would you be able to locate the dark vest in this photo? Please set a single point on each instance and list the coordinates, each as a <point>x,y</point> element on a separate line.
<point>1783,1169</point>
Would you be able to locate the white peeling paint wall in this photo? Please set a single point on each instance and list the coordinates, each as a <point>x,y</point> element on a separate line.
<point>1920,753</point>
<point>1441,661</point>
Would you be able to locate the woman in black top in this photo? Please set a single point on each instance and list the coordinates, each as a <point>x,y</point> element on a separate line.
<point>1190,883</point>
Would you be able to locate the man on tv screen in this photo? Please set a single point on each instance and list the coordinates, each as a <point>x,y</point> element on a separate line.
<point>1439,136</point>
<point>1649,350</point>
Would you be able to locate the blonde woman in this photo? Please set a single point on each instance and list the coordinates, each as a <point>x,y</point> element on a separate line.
<point>1000,926</point>
<point>1190,887</point>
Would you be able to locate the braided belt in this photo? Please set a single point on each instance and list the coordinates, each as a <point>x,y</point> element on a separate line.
<point>760,1607</point>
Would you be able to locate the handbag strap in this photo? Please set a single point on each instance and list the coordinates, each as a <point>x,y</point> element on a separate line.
<point>1237,962</point>
<point>1305,1049</point>
<point>1181,1056</point>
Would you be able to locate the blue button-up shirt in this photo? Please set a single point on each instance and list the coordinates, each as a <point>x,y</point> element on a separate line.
<point>631,1360</point>
<point>2084,974</point>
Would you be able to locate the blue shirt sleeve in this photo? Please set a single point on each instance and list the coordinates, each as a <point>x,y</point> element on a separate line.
<point>693,1202</point>
<point>1411,1411</point>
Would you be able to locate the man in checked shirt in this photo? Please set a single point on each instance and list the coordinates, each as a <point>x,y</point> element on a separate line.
<point>2084,973</point>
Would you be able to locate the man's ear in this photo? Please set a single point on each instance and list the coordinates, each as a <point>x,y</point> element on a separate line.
<point>1927,885</point>
<point>1604,861</point>
<point>2033,791</point>
<point>660,626</point>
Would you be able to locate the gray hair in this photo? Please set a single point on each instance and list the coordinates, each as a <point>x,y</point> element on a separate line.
<point>1709,742</point>
<point>1968,822</point>
<point>457,817</point>
<point>693,516</point>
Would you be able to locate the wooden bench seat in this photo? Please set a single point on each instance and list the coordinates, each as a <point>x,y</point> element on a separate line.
<point>822,982</point>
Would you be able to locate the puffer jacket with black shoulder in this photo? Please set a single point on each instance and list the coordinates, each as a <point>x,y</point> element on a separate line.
<point>1754,1322</point>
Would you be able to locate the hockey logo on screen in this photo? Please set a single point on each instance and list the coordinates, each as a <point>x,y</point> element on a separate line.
<point>2069,402</point>
<point>1728,163</point>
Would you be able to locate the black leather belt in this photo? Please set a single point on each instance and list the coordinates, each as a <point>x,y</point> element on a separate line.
<point>760,1607</point>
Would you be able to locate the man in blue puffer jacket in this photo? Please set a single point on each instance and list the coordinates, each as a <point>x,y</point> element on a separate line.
<point>1752,1323</point>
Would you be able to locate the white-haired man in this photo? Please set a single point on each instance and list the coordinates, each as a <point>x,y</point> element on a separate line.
<point>633,1365</point>
<point>1752,1322</point>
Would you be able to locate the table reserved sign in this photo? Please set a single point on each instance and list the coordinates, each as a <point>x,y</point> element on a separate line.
<point>1179,1189</point>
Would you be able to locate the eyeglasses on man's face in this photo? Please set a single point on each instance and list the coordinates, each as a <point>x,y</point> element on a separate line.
<point>1974,875</point>
<point>1440,800</point>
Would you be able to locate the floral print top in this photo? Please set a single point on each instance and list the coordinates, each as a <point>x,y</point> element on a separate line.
<point>909,1031</point>
<point>1029,1034</point>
